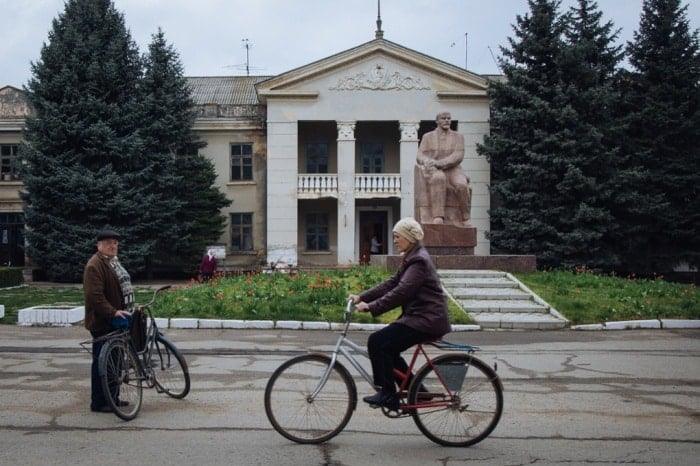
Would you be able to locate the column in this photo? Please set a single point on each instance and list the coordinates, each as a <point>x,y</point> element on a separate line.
<point>282,215</point>
<point>408,149</point>
<point>346,193</point>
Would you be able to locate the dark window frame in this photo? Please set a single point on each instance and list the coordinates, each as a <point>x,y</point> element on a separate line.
<point>317,157</point>
<point>372,157</point>
<point>242,231</point>
<point>317,231</point>
<point>8,161</point>
<point>241,161</point>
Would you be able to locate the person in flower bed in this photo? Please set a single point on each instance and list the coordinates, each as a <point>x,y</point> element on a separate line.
<point>109,302</point>
<point>416,288</point>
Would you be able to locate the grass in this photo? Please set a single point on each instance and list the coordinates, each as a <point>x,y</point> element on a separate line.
<point>584,297</point>
<point>314,296</point>
<point>580,296</point>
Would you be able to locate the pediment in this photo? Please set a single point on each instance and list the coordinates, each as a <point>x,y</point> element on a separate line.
<point>14,103</point>
<point>378,65</point>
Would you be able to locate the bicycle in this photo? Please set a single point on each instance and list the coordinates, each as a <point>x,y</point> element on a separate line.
<point>124,368</point>
<point>455,399</point>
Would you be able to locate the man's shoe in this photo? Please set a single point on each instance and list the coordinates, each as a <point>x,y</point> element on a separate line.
<point>101,409</point>
<point>122,404</point>
<point>386,400</point>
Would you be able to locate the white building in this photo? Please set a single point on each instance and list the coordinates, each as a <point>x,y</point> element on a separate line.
<point>317,160</point>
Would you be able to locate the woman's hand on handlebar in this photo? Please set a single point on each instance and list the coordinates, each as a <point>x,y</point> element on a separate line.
<point>362,306</point>
<point>359,305</point>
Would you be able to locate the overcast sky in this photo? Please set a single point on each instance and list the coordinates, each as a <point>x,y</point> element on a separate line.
<point>286,34</point>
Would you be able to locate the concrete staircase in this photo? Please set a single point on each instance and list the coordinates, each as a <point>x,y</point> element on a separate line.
<point>497,299</point>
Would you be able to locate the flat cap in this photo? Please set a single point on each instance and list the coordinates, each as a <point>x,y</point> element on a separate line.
<point>108,234</point>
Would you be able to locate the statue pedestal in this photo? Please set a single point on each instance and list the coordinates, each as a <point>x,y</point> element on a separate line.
<point>452,247</point>
<point>449,239</point>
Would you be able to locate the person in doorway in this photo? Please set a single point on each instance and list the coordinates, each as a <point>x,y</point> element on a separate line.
<point>439,159</point>
<point>416,288</point>
<point>207,267</point>
<point>375,245</point>
<point>109,302</point>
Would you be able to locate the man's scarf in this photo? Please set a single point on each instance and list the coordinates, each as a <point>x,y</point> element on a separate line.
<point>125,283</point>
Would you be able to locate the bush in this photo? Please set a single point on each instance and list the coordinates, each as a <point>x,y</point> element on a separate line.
<point>11,276</point>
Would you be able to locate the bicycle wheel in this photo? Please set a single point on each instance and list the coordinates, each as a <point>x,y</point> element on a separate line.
<point>121,379</point>
<point>170,368</point>
<point>294,414</point>
<point>460,400</point>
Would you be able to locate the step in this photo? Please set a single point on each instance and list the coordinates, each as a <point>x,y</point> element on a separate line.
<point>518,321</point>
<point>479,282</point>
<point>449,273</point>
<point>488,293</point>
<point>502,305</point>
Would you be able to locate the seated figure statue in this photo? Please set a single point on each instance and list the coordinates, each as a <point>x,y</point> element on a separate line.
<point>443,194</point>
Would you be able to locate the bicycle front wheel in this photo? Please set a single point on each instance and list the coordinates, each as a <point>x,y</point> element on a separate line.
<point>169,368</point>
<point>121,379</point>
<point>459,398</point>
<point>298,415</point>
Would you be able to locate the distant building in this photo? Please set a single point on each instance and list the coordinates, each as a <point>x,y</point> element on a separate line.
<point>316,160</point>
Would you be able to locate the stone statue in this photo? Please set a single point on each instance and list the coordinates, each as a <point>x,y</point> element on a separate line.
<point>443,194</point>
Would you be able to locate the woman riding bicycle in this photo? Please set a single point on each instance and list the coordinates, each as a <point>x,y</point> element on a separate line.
<point>416,288</point>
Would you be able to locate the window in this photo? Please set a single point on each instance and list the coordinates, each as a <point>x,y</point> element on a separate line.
<point>241,232</point>
<point>8,161</point>
<point>317,232</point>
<point>317,157</point>
<point>372,157</point>
<point>241,162</point>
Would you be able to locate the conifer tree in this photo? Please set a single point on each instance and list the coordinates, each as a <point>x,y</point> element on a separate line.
<point>589,66</point>
<point>531,177</point>
<point>659,184</point>
<point>84,143</point>
<point>169,136</point>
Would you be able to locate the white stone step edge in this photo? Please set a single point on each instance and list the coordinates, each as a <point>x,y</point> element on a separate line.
<point>537,299</point>
<point>522,287</point>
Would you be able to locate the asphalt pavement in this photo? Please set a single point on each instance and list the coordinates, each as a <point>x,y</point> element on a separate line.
<point>571,398</point>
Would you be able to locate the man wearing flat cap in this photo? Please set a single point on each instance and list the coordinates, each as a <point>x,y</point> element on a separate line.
<point>108,294</point>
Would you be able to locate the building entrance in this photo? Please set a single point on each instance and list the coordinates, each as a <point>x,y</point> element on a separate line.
<point>373,225</point>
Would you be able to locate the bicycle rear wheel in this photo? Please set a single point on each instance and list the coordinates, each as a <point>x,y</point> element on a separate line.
<point>169,368</point>
<point>291,410</point>
<point>121,379</point>
<point>460,400</point>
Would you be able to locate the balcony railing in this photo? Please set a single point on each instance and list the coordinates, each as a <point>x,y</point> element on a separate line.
<point>316,185</point>
<point>367,185</point>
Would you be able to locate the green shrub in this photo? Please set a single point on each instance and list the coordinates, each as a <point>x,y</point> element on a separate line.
<point>10,276</point>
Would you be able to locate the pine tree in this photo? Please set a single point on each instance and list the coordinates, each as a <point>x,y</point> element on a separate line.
<point>200,214</point>
<point>83,144</point>
<point>660,180</point>
<point>531,116</point>
<point>188,179</point>
<point>589,65</point>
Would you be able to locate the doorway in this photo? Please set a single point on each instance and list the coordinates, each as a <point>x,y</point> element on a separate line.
<point>373,224</point>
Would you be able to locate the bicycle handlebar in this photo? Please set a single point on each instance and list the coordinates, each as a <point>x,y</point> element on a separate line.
<point>153,299</point>
<point>349,310</point>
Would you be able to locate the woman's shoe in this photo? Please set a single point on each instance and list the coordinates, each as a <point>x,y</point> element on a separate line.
<point>386,400</point>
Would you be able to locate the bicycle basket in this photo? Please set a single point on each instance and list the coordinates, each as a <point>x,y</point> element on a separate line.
<point>138,329</point>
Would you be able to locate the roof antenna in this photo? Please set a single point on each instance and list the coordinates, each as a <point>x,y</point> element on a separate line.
<point>246,44</point>
<point>378,34</point>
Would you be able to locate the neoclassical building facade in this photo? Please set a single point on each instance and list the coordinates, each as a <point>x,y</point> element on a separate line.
<point>316,160</point>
